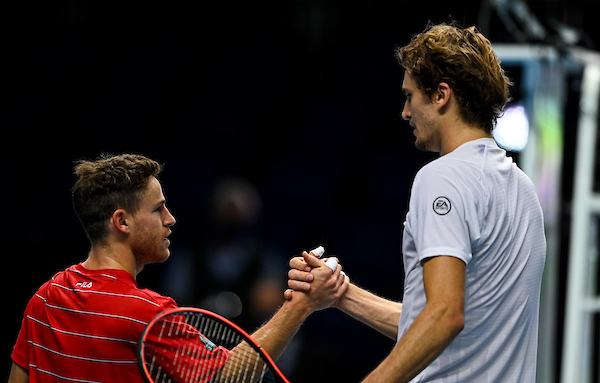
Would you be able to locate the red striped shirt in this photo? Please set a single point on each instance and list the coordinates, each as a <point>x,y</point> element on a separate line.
<point>83,326</point>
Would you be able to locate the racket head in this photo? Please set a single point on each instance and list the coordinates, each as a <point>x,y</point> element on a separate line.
<point>171,349</point>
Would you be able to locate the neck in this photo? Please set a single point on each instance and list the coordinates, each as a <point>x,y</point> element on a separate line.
<point>460,134</point>
<point>111,257</point>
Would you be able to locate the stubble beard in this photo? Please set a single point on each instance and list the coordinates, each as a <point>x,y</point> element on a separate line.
<point>425,145</point>
<point>428,143</point>
<point>148,249</point>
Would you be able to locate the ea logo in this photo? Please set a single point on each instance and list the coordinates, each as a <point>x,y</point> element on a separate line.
<point>442,205</point>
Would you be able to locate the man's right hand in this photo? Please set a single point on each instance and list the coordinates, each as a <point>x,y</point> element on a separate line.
<point>311,278</point>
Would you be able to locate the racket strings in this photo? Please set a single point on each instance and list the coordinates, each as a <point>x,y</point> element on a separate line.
<point>193,362</point>
<point>243,358</point>
<point>247,365</point>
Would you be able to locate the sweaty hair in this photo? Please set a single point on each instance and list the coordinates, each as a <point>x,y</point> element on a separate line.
<point>108,184</point>
<point>463,58</point>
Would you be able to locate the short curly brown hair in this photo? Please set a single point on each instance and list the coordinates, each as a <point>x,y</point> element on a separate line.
<point>464,59</point>
<point>108,184</point>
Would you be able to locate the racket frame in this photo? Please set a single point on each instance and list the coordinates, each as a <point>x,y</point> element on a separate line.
<point>182,311</point>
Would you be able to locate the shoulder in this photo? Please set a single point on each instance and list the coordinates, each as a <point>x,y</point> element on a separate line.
<point>37,303</point>
<point>42,291</point>
<point>468,160</point>
<point>448,171</point>
<point>162,302</point>
<point>124,289</point>
<point>117,288</point>
<point>449,184</point>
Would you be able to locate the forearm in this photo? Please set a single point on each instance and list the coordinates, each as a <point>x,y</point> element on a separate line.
<point>379,313</point>
<point>275,335</point>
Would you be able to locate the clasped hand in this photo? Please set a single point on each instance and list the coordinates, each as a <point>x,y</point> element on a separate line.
<point>310,276</point>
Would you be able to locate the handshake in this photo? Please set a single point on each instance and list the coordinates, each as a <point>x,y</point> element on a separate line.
<point>321,281</point>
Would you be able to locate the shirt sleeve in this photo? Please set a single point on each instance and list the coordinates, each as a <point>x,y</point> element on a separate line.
<point>20,352</point>
<point>167,303</point>
<point>445,206</point>
<point>182,353</point>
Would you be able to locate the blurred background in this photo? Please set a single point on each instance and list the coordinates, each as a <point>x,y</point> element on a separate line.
<point>278,124</point>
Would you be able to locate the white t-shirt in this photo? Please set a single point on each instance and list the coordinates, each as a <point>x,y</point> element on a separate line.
<point>475,204</point>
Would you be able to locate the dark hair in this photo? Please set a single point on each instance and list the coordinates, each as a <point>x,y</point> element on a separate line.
<point>108,184</point>
<point>464,59</point>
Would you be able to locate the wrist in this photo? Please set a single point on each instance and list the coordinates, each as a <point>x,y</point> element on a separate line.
<point>345,299</point>
<point>299,305</point>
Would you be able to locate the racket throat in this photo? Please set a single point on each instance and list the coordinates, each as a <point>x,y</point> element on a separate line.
<point>210,346</point>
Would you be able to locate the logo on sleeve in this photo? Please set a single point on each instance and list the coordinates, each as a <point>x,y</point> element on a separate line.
<point>442,205</point>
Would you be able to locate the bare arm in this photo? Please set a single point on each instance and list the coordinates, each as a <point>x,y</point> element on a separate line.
<point>434,329</point>
<point>379,313</point>
<point>275,335</point>
<point>18,374</point>
<point>277,332</point>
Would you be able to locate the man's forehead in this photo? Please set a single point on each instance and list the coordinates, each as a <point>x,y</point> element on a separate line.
<point>154,191</point>
<point>408,82</point>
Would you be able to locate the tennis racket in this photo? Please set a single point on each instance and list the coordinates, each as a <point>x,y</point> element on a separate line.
<point>185,345</point>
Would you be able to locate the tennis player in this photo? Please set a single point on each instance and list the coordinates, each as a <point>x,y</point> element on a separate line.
<point>84,323</point>
<point>473,243</point>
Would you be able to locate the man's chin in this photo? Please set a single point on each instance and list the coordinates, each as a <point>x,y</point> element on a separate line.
<point>157,258</point>
<point>425,146</point>
<point>422,146</point>
<point>164,257</point>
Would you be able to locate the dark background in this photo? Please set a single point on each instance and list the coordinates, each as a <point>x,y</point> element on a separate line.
<point>300,98</point>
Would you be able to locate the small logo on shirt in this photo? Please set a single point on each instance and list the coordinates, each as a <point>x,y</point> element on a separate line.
<point>85,285</point>
<point>442,205</point>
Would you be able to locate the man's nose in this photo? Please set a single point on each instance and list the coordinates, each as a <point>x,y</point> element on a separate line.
<point>405,112</point>
<point>170,220</point>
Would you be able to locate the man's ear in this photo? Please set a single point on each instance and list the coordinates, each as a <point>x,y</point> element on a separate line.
<point>119,221</point>
<point>442,95</point>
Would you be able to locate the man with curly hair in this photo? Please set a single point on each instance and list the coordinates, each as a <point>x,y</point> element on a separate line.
<point>473,241</point>
<point>83,324</point>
